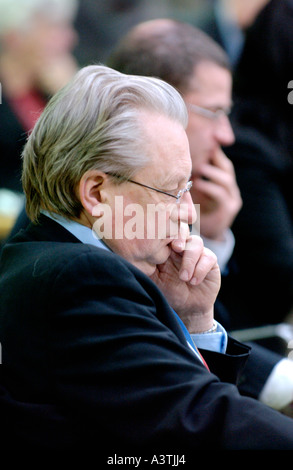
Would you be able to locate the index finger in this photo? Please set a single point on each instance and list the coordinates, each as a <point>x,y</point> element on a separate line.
<point>179,243</point>
<point>193,250</point>
<point>221,160</point>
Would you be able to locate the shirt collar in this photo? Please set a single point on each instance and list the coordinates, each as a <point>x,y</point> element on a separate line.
<point>81,232</point>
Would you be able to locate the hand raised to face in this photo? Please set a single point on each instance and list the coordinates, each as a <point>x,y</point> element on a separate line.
<point>190,281</point>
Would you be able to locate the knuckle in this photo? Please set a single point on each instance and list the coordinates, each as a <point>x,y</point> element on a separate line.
<point>210,255</point>
<point>196,241</point>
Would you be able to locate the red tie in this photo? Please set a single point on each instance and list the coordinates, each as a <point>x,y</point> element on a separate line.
<point>190,340</point>
<point>204,362</point>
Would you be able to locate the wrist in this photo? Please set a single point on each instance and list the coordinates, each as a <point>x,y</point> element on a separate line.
<point>199,324</point>
<point>213,329</point>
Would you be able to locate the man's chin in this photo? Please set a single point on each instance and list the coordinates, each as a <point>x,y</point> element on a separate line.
<point>149,266</point>
<point>164,254</point>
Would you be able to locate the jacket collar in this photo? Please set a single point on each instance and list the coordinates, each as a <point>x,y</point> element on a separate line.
<point>46,229</point>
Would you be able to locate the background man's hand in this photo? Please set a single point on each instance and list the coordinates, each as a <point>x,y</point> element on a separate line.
<point>216,190</point>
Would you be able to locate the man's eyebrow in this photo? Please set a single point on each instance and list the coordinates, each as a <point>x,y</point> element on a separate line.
<point>175,180</point>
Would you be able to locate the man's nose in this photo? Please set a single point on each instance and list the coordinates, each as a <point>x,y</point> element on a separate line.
<point>185,211</point>
<point>224,131</point>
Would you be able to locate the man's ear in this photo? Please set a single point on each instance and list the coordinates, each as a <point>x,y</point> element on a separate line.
<point>91,188</point>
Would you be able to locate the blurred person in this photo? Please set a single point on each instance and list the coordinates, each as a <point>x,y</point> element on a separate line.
<point>194,64</point>
<point>100,23</point>
<point>262,154</point>
<point>90,338</point>
<point>36,43</point>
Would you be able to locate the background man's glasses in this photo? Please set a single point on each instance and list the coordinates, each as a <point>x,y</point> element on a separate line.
<point>209,113</point>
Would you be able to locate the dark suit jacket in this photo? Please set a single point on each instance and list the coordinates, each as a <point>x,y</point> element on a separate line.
<point>260,363</point>
<point>93,357</point>
<point>259,287</point>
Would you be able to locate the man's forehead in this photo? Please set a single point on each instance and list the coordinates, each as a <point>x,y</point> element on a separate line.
<point>175,172</point>
<point>212,79</point>
<point>168,150</point>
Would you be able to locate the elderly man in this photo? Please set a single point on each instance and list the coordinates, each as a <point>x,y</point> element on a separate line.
<point>94,354</point>
<point>199,68</point>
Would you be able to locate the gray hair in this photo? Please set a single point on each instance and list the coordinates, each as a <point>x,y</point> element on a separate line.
<point>18,14</point>
<point>94,122</point>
